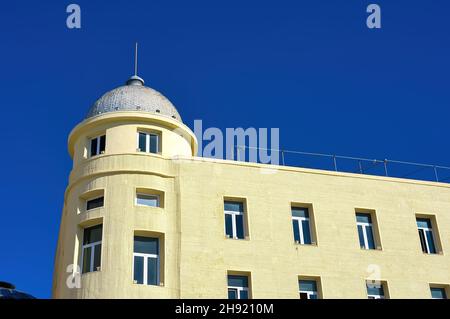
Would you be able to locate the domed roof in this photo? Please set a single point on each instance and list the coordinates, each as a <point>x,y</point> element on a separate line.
<point>134,96</point>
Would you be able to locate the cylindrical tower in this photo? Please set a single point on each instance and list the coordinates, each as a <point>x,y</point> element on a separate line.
<point>119,234</point>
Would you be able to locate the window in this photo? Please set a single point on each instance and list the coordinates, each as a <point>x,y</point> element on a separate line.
<point>148,142</point>
<point>375,290</point>
<point>308,289</point>
<point>147,200</point>
<point>426,235</point>
<point>438,293</point>
<point>365,230</point>
<point>238,287</point>
<point>92,249</point>
<point>98,145</point>
<point>234,219</point>
<point>146,261</point>
<point>94,203</point>
<point>301,225</point>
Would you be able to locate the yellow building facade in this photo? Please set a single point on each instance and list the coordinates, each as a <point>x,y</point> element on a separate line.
<point>135,177</point>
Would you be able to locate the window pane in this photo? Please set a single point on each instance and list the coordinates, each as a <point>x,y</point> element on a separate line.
<point>376,290</point>
<point>97,256</point>
<point>148,200</point>
<point>361,237</point>
<point>363,218</point>
<point>244,294</point>
<point>300,212</point>
<point>303,295</point>
<point>138,269</point>
<point>92,234</point>
<point>228,225</point>
<point>423,222</point>
<point>153,143</point>
<point>296,230</point>
<point>142,142</point>
<point>94,146</point>
<point>313,296</point>
<point>370,240</point>
<point>146,245</point>
<point>306,232</point>
<point>422,241</point>
<point>234,206</point>
<point>102,143</point>
<point>86,260</point>
<point>308,285</point>
<point>152,271</point>
<point>240,226</point>
<point>238,281</point>
<point>94,203</point>
<point>431,244</point>
<point>438,293</point>
<point>232,294</point>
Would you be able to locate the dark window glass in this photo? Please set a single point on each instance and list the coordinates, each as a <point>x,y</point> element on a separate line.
<point>370,239</point>
<point>92,234</point>
<point>424,222</point>
<point>152,271</point>
<point>306,232</point>
<point>244,294</point>
<point>86,260</point>
<point>142,142</point>
<point>94,142</point>
<point>238,281</point>
<point>307,285</point>
<point>240,226</point>
<point>139,269</point>
<point>361,236</point>
<point>363,218</point>
<point>422,241</point>
<point>97,256</point>
<point>303,295</point>
<point>300,212</point>
<point>438,293</point>
<point>234,206</point>
<point>228,225</point>
<point>146,245</point>
<point>94,203</point>
<point>232,294</point>
<point>102,143</point>
<point>375,290</point>
<point>296,230</point>
<point>153,143</point>
<point>430,240</point>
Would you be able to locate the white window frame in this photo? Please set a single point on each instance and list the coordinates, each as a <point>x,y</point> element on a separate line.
<point>145,267</point>
<point>424,230</point>
<point>309,294</point>
<point>98,145</point>
<point>158,199</point>
<point>239,290</point>
<point>364,229</point>
<point>233,222</point>
<point>300,227</point>
<point>147,142</point>
<point>93,247</point>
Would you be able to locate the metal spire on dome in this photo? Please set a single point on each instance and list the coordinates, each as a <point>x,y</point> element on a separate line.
<point>135,79</point>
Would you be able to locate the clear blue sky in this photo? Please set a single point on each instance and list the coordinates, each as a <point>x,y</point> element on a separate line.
<point>311,68</point>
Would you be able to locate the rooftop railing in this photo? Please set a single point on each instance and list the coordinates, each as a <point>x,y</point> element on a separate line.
<point>348,164</point>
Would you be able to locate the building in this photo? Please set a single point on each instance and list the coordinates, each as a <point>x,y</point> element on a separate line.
<point>144,217</point>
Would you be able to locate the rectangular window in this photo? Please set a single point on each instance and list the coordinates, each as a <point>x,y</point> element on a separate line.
<point>148,142</point>
<point>147,200</point>
<point>238,287</point>
<point>146,261</point>
<point>92,249</point>
<point>365,230</point>
<point>98,145</point>
<point>234,219</point>
<point>426,235</point>
<point>308,289</point>
<point>94,203</point>
<point>375,290</point>
<point>438,293</point>
<point>301,225</point>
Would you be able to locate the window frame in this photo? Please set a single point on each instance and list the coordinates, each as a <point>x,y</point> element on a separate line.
<point>308,292</point>
<point>234,215</point>
<point>365,226</point>
<point>147,141</point>
<point>383,286</point>
<point>158,199</point>
<point>98,139</point>
<point>94,198</point>
<point>239,289</point>
<point>145,265</point>
<point>93,247</point>
<point>300,226</point>
<point>423,230</point>
<point>443,288</point>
